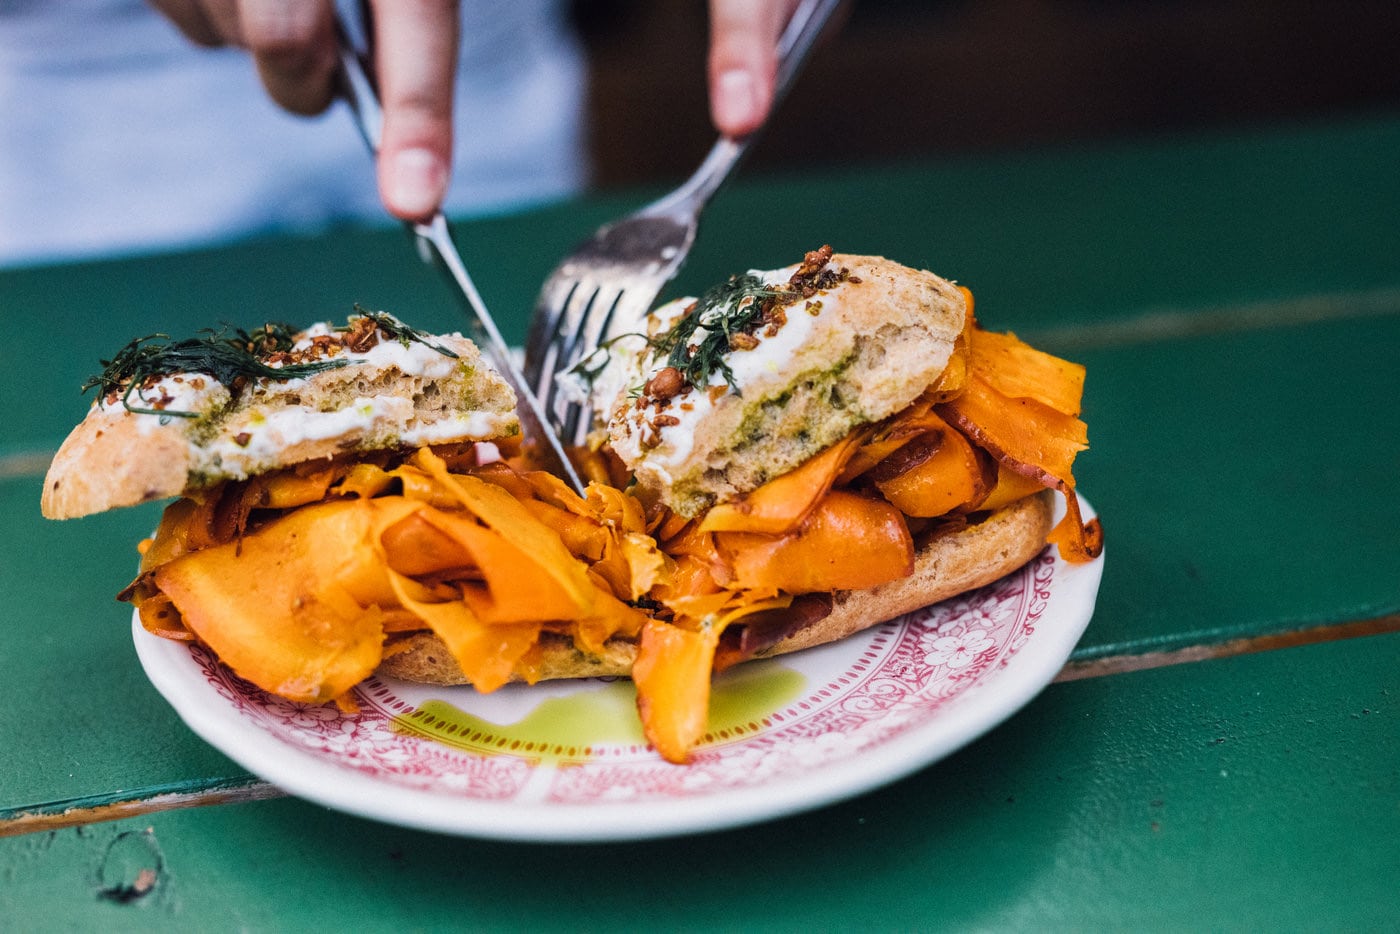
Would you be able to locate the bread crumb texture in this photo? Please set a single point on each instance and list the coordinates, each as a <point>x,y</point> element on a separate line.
<point>394,394</point>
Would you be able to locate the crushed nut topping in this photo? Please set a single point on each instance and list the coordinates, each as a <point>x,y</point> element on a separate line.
<point>665,384</point>
<point>362,336</point>
<point>234,358</point>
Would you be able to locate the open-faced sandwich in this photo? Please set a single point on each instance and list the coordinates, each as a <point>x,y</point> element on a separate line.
<point>828,446</point>
<point>791,458</point>
<point>334,501</point>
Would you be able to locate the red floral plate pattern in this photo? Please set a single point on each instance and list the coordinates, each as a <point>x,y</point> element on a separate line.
<point>566,761</point>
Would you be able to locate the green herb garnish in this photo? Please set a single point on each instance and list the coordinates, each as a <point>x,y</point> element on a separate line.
<point>736,306</point>
<point>226,358</point>
<point>231,356</point>
<point>273,337</point>
<point>587,370</point>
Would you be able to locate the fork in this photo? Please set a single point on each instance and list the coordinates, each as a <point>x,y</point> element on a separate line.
<point>608,283</point>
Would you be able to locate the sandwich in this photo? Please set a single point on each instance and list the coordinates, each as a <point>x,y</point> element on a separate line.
<point>340,491</point>
<point>790,458</point>
<point>824,447</point>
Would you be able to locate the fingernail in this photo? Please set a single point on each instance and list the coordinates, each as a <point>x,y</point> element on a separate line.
<point>736,100</point>
<point>416,182</point>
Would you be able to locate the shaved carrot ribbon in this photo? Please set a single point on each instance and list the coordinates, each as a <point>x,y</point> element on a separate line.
<point>487,559</point>
<point>1022,406</point>
<point>780,505</point>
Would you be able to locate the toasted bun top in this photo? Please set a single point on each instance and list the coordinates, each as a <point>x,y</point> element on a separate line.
<point>393,392</point>
<point>861,341</point>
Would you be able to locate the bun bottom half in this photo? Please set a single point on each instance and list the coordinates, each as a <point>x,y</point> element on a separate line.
<point>944,567</point>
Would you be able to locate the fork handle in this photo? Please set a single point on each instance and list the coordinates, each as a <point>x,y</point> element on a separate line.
<point>794,47</point>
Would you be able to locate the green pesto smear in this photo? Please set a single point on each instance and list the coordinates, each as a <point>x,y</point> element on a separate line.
<point>575,727</point>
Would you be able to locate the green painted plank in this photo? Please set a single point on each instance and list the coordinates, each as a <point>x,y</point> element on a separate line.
<point>1080,234</point>
<point>1216,796</point>
<point>79,716</point>
<point>1247,483</point>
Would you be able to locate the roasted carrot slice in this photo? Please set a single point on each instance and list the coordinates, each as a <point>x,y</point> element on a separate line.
<point>1025,435</point>
<point>276,610</point>
<point>1019,371</point>
<point>950,476</point>
<point>486,652</point>
<point>672,674</point>
<point>849,542</point>
<point>781,504</point>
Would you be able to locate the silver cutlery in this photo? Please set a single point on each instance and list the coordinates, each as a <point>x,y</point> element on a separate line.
<point>435,243</point>
<point>605,287</point>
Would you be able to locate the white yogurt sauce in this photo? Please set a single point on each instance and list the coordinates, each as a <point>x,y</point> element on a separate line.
<point>752,369</point>
<point>183,392</point>
<point>252,439</point>
<point>412,359</point>
<point>465,425</point>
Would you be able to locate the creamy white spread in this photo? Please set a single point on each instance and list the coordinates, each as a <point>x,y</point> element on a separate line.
<point>460,426</point>
<point>256,430</point>
<point>635,434</point>
<point>183,392</point>
<point>412,358</point>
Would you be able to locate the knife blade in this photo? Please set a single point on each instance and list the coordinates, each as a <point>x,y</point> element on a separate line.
<point>435,243</point>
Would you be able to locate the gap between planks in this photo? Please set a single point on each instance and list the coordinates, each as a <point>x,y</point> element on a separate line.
<point>25,464</point>
<point>1155,325</point>
<point>80,811</point>
<point>1245,645</point>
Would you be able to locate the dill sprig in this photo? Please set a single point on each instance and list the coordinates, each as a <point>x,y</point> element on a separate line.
<point>396,330</point>
<point>736,306</point>
<point>227,358</point>
<point>591,366</point>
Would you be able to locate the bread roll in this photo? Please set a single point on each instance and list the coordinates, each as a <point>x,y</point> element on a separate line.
<point>862,341</point>
<point>395,393</point>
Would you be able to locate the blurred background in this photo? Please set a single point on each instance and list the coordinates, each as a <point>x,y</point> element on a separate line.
<point>122,136</point>
<point>909,78</point>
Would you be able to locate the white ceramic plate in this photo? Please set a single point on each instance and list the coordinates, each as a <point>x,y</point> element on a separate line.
<point>565,761</point>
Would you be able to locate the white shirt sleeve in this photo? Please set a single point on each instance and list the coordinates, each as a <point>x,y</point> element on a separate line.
<point>122,136</point>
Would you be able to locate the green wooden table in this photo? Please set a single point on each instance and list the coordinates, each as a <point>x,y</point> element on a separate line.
<point>1221,752</point>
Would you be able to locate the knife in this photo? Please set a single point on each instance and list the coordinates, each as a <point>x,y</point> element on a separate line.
<point>435,244</point>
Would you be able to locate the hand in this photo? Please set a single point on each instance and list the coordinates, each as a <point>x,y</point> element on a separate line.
<point>293,44</point>
<point>743,61</point>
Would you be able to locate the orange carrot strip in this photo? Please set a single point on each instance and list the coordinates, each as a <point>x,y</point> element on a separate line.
<point>848,543</point>
<point>275,611</point>
<point>952,477</point>
<point>485,652</point>
<point>781,504</point>
<point>1019,371</point>
<point>672,674</point>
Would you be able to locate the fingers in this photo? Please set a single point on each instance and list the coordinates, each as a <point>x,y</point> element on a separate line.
<point>293,43</point>
<point>743,61</point>
<point>198,23</point>
<point>415,56</point>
